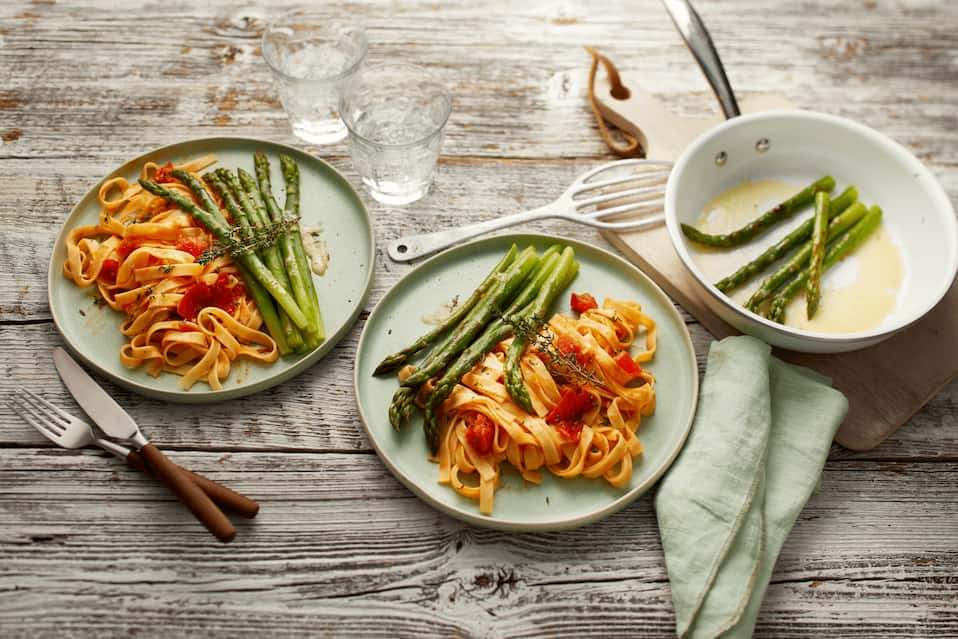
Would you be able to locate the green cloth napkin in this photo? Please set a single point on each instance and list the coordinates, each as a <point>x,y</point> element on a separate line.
<point>755,454</point>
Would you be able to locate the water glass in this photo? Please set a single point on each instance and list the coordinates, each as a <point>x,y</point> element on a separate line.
<point>395,114</point>
<point>312,59</point>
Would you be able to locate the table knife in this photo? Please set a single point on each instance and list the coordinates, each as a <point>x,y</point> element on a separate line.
<point>116,422</point>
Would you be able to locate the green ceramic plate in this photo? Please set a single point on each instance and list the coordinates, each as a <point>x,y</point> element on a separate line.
<point>328,200</point>
<point>556,503</point>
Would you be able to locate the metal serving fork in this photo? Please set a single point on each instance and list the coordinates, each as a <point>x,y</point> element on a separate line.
<point>68,431</point>
<point>640,191</point>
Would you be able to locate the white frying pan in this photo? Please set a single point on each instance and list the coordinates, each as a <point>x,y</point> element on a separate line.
<point>799,147</point>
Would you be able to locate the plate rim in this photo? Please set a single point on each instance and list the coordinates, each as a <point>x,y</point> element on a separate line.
<point>560,523</point>
<point>212,396</point>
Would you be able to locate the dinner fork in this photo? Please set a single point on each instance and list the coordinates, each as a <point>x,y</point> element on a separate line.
<point>640,192</point>
<point>69,431</point>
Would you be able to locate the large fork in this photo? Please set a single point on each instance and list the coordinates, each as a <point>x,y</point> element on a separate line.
<point>639,191</point>
<point>68,431</point>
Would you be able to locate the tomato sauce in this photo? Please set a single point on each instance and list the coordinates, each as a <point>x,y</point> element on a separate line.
<point>164,174</point>
<point>126,247</point>
<point>480,433</point>
<point>570,432</point>
<point>566,345</point>
<point>567,414</point>
<point>202,295</point>
<point>108,271</point>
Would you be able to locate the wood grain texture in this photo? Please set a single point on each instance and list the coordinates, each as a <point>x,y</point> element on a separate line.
<point>339,536</point>
<point>89,548</point>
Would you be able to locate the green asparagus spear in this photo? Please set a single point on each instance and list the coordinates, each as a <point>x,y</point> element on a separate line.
<point>512,373</point>
<point>207,203</point>
<point>265,305</point>
<point>781,212</point>
<point>494,333</point>
<point>291,175</point>
<point>266,189</point>
<point>215,182</point>
<point>222,179</point>
<point>268,208</point>
<point>253,196</point>
<point>260,219</point>
<point>239,209</point>
<point>259,294</point>
<point>560,277</point>
<point>773,282</point>
<point>503,290</point>
<point>296,277</point>
<point>222,232</point>
<point>838,249</point>
<point>819,238</point>
<point>399,358</point>
<point>780,248</point>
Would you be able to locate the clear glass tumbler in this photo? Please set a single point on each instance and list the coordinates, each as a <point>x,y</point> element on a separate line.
<point>312,58</point>
<point>395,114</point>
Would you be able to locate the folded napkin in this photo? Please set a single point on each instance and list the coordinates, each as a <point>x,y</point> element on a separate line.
<point>755,454</point>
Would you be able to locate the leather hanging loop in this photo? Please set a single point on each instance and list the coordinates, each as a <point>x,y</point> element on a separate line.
<point>619,91</point>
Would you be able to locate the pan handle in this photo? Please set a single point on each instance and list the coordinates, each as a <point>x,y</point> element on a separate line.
<point>697,37</point>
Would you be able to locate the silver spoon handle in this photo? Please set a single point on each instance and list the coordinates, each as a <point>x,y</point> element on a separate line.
<point>697,37</point>
<point>406,249</point>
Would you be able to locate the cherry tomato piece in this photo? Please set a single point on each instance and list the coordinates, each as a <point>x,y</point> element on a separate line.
<point>582,303</point>
<point>574,402</point>
<point>628,365</point>
<point>108,271</point>
<point>480,433</point>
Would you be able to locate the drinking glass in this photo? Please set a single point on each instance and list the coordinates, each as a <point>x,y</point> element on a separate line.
<point>395,114</point>
<point>312,58</point>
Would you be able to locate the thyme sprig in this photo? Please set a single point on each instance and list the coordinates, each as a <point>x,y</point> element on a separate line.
<point>533,330</point>
<point>256,240</point>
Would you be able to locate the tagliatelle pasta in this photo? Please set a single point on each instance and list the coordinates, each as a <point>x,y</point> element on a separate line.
<point>182,316</point>
<point>580,427</point>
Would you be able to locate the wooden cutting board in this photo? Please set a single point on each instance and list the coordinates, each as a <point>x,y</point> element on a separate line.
<point>885,384</point>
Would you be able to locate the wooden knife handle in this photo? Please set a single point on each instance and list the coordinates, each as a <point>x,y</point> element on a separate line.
<point>189,493</point>
<point>224,497</point>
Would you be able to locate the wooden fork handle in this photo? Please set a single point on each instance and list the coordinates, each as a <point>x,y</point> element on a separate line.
<point>189,493</point>
<point>225,498</point>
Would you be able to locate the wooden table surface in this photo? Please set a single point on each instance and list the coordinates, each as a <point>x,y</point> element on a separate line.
<point>89,548</point>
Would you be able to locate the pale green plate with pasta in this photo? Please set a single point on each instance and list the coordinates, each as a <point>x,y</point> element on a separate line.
<point>520,506</point>
<point>92,332</point>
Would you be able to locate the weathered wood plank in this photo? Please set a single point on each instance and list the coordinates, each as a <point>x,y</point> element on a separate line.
<point>845,65</point>
<point>317,412</point>
<point>88,548</point>
<point>337,534</point>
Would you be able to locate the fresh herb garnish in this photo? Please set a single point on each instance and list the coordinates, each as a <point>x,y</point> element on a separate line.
<point>533,330</point>
<point>258,239</point>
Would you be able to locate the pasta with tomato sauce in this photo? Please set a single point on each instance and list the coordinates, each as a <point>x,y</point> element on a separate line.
<point>182,316</point>
<point>583,423</point>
